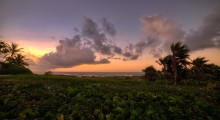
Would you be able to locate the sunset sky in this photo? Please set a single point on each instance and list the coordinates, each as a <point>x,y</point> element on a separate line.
<point>109,35</point>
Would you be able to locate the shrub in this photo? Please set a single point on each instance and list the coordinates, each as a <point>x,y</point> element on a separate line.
<point>7,68</point>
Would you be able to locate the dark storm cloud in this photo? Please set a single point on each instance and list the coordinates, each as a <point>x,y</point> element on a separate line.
<point>208,35</point>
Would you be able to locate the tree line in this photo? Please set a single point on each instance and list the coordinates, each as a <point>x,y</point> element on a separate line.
<point>12,61</point>
<point>178,66</point>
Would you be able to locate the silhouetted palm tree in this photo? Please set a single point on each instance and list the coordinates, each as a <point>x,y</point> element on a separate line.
<point>167,70</point>
<point>199,67</point>
<point>19,60</point>
<point>166,62</point>
<point>3,50</point>
<point>180,54</point>
<point>13,49</point>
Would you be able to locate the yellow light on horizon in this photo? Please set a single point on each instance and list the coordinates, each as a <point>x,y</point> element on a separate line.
<point>36,51</point>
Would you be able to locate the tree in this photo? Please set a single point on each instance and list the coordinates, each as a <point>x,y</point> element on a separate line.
<point>18,59</point>
<point>3,50</point>
<point>11,59</point>
<point>175,65</point>
<point>180,54</point>
<point>14,49</point>
<point>167,70</point>
<point>150,73</point>
<point>199,67</point>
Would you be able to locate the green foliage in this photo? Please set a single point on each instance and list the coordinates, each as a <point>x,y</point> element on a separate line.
<point>7,68</point>
<point>63,97</point>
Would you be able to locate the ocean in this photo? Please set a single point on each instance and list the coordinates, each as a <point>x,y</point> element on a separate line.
<point>99,74</point>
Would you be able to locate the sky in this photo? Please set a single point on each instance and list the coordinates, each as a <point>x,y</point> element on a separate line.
<point>109,35</point>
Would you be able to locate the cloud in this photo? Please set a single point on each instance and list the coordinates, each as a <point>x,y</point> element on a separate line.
<point>83,48</point>
<point>108,27</point>
<point>134,51</point>
<point>158,33</point>
<point>103,61</point>
<point>98,38</point>
<point>69,53</point>
<point>208,35</point>
<point>90,29</point>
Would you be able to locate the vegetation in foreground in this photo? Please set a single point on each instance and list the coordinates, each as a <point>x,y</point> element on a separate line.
<point>110,98</point>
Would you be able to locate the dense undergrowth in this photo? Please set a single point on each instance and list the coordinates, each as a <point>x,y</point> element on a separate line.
<point>110,98</point>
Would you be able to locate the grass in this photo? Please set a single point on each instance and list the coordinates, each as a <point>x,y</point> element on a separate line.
<point>58,97</point>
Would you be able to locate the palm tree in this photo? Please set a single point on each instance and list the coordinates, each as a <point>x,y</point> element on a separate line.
<point>199,67</point>
<point>166,63</point>
<point>175,64</point>
<point>3,50</point>
<point>167,70</point>
<point>13,49</point>
<point>180,54</point>
<point>19,60</point>
<point>150,73</point>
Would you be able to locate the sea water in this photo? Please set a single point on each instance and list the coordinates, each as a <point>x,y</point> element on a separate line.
<point>99,74</point>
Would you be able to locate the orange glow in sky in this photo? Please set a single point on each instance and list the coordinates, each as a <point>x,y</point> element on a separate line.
<point>119,65</point>
<point>99,36</point>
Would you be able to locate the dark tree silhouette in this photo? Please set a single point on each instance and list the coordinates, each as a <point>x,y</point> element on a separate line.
<point>167,70</point>
<point>180,54</point>
<point>12,61</point>
<point>199,67</point>
<point>18,59</point>
<point>150,73</point>
<point>14,49</point>
<point>3,50</point>
<point>175,65</point>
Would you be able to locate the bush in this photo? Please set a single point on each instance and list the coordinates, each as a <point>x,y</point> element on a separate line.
<point>7,68</point>
<point>150,73</point>
<point>48,73</point>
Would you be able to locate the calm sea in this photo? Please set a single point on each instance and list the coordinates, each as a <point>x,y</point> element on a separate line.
<point>99,74</point>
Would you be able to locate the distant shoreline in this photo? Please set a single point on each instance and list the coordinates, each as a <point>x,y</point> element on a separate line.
<point>100,74</point>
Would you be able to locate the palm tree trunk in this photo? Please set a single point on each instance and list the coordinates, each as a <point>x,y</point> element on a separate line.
<point>174,70</point>
<point>175,75</point>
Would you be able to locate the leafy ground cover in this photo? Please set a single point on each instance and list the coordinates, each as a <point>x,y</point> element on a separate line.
<point>110,98</point>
